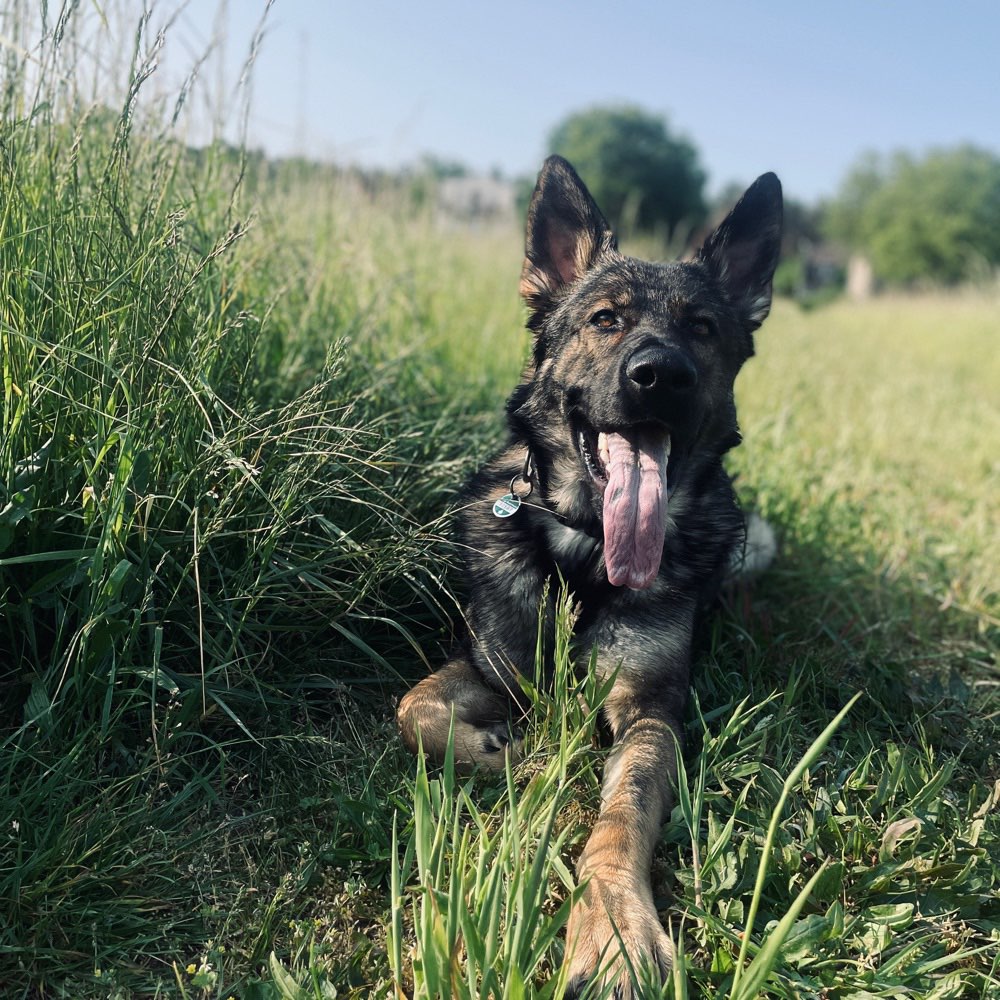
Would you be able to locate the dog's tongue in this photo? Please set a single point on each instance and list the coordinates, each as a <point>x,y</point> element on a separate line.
<point>635,505</point>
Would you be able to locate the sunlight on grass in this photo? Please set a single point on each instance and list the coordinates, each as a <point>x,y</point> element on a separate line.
<point>239,400</point>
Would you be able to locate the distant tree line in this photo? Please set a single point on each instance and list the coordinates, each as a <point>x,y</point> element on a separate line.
<point>927,219</point>
<point>930,219</point>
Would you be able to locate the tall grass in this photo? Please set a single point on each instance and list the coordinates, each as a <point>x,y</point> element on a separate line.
<point>238,400</point>
<point>222,474</point>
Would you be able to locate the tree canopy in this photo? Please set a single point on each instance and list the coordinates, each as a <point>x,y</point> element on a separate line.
<point>642,177</point>
<point>930,218</point>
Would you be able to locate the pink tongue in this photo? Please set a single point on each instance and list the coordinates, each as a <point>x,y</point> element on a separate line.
<point>635,507</point>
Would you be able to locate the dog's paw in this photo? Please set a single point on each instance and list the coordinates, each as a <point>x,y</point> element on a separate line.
<point>605,920</point>
<point>499,739</point>
<point>500,736</point>
<point>487,744</point>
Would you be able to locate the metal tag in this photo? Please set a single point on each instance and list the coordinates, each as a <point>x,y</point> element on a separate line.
<point>507,506</point>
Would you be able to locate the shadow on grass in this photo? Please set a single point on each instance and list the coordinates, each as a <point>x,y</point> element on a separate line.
<point>824,623</point>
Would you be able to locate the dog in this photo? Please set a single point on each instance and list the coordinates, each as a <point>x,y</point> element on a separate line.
<point>612,480</point>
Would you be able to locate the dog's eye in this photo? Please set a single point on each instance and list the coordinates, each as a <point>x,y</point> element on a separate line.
<point>701,325</point>
<point>605,319</point>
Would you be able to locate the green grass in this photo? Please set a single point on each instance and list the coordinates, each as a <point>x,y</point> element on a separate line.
<point>238,403</point>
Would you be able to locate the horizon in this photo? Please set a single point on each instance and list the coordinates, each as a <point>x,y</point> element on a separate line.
<point>804,92</point>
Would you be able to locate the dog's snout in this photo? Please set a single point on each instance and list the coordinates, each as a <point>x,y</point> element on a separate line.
<point>657,367</point>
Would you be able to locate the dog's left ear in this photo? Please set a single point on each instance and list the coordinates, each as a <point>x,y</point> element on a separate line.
<point>743,252</point>
<point>566,233</point>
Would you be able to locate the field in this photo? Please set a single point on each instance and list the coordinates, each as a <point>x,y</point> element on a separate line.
<point>239,400</point>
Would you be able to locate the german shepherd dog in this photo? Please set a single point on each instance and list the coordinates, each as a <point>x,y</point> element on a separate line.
<point>617,433</point>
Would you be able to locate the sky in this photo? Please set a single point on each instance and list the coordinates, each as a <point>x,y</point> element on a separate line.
<point>801,88</point>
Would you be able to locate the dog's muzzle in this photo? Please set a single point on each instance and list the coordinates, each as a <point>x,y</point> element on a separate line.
<point>659,380</point>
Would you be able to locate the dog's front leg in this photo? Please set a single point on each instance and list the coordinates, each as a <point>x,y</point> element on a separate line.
<point>616,911</point>
<point>473,694</point>
<point>454,703</point>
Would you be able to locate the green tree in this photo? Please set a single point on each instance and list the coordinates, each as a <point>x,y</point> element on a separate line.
<point>935,218</point>
<point>643,177</point>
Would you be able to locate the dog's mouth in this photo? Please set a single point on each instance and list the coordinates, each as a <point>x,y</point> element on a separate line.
<point>588,441</point>
<point>630,466</point>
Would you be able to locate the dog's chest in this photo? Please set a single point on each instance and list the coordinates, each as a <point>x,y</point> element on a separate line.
<point>572,549</point>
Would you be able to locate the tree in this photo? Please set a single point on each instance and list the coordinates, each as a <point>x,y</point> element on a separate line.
<point>935,218</point>
<point>643,177</point>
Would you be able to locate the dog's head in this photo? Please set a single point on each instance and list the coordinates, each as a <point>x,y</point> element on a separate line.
<point>631,388</point>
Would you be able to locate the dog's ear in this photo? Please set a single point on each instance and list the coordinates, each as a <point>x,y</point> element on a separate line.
<point>566,233</point>
<point>743,252</point>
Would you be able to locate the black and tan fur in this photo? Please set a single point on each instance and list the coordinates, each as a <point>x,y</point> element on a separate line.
<point>620,343</point>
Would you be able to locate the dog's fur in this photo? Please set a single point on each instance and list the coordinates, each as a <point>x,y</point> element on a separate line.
<point>626,352</point>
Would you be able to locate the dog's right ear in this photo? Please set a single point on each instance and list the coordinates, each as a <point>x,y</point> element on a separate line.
<point>566,233</point>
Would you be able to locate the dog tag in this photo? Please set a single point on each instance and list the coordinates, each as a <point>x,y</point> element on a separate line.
<point>507,506</point>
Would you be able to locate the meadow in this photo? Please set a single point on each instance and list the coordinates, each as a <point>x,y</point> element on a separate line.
<point>239,401</point>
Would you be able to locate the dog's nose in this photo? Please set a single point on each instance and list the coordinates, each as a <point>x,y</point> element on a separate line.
<point>657,367</point>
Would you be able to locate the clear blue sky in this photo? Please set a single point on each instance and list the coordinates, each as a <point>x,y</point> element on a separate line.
<point>798,87</point>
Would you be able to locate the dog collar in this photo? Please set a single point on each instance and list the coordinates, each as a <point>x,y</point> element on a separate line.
<point>509,504</point>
